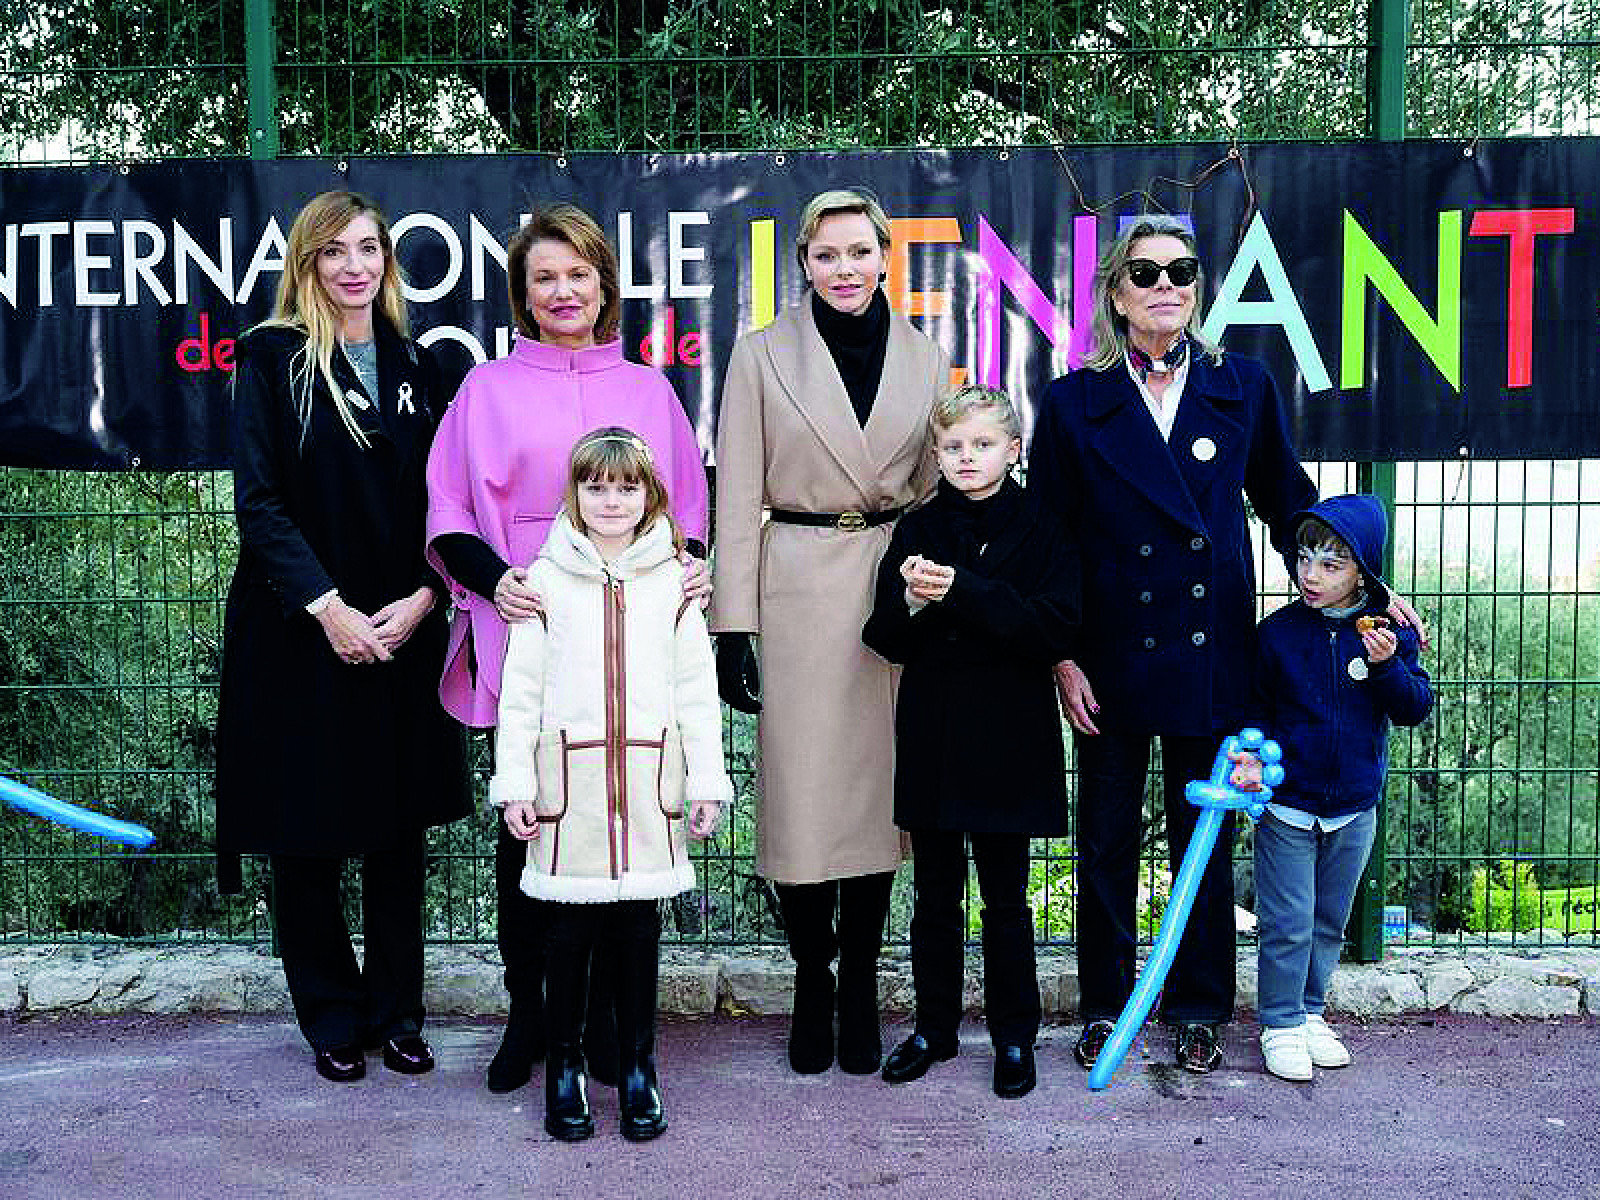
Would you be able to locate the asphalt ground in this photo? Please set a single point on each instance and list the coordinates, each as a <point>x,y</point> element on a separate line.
<point>175,1108</point>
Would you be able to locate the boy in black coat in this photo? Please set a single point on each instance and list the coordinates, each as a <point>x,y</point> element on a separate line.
<point>978,597</point>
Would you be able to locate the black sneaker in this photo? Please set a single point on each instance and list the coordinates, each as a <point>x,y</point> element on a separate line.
<point>1199,1048</point>
<point>1091,1041</point>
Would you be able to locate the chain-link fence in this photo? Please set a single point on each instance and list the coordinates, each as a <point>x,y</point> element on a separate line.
<point>110,584</point>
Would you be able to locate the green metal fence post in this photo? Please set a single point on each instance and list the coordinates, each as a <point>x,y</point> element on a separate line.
<point>260,62</point>
<point>1389,24</point>
<point>1364,934</point>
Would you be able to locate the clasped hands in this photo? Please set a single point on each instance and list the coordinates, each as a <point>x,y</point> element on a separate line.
<point>358,638</point>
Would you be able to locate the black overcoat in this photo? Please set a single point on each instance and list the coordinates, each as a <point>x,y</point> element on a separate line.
<point>316,756</point>
<point>1169,599</point>
<point>977,724</point>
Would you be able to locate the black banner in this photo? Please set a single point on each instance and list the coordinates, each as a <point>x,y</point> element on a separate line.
<point>1421,300</point>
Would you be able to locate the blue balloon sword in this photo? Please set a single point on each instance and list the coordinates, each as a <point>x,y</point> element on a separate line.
<point>1213,797</point>
<point>28,799</point>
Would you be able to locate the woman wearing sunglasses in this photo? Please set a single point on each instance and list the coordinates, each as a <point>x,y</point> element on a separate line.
<point>1147,453</point>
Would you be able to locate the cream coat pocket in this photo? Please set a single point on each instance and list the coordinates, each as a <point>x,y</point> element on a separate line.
<point>659,766</point>
<point>566,768</point>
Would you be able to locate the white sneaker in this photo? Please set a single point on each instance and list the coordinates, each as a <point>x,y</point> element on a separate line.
<point>1286,1053</point>
<point>1323,1044</point>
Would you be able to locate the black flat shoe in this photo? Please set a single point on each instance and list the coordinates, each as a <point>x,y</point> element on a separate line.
<point>911,1059</point>
<point>341,1064</point>
<point>408,1054</point>
<point>1199,1048</point>
<point>1014,1073</point>
<point>1091,1041</point>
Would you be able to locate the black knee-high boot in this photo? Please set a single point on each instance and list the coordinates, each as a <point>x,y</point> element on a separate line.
<point>863,913</point>
<point>566,1084</point>
<point>808,927</point>
<point>520,932</point>
<point>637,962</point>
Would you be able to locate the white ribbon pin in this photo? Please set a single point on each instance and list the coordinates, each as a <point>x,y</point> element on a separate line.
<point>1204,449</point>
<point>404,397</point>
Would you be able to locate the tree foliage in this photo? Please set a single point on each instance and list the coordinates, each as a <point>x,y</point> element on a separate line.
<point>147,78</point>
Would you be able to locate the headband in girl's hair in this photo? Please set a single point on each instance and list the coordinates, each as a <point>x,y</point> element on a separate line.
<point>28,800</point>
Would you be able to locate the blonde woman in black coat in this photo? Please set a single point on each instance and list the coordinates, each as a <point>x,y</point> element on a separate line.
<point>331,741</point>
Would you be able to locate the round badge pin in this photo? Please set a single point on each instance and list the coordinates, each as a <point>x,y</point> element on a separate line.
<point>1204,449</point>
<point>1356,668</point>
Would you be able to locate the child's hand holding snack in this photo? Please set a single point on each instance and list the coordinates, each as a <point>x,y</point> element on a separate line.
<point>1377,639</point>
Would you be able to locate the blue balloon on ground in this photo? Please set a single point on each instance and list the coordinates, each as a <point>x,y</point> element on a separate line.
<point>21,796</point>
<point>1213,797</point>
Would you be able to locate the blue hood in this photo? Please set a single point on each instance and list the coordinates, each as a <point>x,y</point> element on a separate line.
<point>1360,521</point>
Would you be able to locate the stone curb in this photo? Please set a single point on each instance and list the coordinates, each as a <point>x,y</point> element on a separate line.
<point>53,980</point>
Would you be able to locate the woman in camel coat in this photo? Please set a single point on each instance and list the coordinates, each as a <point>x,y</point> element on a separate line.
<point>824,421</point>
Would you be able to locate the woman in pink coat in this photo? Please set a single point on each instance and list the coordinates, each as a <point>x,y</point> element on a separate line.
<point>495,482</point>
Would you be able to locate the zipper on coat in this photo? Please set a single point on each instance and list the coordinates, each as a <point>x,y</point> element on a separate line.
<point>616,725</point>
<point>1332,757</point>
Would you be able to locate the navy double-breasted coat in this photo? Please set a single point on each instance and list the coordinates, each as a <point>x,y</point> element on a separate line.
<point>1168,630</point>
<point>316,756</point>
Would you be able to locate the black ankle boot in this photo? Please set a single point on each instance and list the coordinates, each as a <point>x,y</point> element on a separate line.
<point>639,1101</point>
<point>566,1094</point>
<point>811,1025</point>
<point>566,996</point>
<point>521,1046</point>
<point>860,1034</point>
<point>635,968</point>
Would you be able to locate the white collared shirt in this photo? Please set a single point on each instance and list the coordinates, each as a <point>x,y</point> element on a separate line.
<point>1165,411</point>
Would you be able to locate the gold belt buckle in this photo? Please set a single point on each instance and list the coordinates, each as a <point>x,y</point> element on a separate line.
<point>851,522</point>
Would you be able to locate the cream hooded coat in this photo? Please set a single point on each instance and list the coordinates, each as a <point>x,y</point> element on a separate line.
<point>788,438</point>
<point>609,721</point>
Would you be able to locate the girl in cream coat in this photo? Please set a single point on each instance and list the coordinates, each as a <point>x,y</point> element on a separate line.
<point>824,420</point>
<point>608,753</point>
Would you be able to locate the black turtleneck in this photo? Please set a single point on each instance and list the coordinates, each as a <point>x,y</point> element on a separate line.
<point>857,342</point>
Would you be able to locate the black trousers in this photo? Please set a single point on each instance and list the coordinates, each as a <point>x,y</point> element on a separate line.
<point>336,1001</point>
<point>518,926</point>
<point>1112,769</point>
<point>938,935</point>
<point>624,936</point>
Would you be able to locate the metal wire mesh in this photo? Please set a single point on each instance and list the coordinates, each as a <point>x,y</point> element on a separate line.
<point>110,586</point>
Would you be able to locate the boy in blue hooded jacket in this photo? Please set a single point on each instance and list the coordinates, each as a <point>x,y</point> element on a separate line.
<point>1331,676</point>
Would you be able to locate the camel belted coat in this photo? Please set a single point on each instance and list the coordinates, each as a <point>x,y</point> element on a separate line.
<point>788,438</point>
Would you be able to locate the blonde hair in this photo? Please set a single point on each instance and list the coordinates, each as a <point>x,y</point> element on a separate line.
<point>1110,329</point>
<point>617,454</point>
<point>831,203</point>
<point>304,305</point>
<point>974,400</point>
<point>570,224</point>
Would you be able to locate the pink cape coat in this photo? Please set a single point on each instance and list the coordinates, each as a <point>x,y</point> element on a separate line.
<point>499,467</point>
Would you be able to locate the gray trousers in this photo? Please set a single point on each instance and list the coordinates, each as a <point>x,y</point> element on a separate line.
<point>1305,886</point>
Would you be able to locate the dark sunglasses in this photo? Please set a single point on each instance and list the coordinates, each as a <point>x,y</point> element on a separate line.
<point>1181,271</point>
